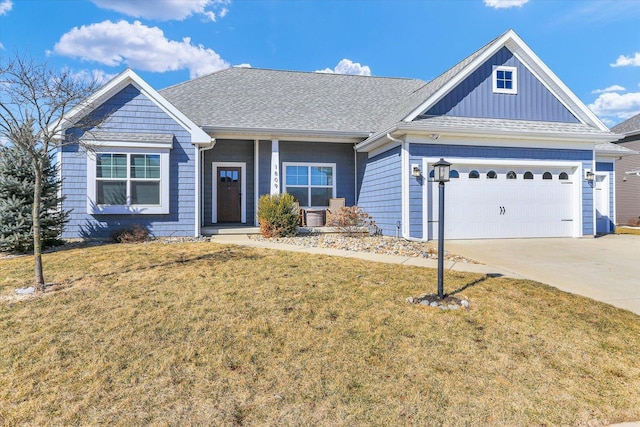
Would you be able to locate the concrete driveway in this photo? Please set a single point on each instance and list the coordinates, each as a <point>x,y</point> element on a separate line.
<point>605,268</point>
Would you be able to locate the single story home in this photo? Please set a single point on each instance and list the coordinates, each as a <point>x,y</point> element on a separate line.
<point>627,183</point>
<point>527,155</point>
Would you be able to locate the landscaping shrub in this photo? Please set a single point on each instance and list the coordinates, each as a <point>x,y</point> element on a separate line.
<point>17,182</point>
<point>352,220</point>
<point>277,215</point>
<point>134,233</point>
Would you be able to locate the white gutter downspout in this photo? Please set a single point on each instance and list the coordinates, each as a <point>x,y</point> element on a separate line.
<point>404,160</point>
<point>200,183</point>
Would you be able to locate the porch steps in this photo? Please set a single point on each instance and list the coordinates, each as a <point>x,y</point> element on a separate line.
<point>212,231</point>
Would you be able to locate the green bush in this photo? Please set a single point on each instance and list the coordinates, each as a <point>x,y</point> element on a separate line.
<point>278,215</point>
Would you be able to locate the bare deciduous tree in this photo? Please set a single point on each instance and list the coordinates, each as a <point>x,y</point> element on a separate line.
<point>35,102</point>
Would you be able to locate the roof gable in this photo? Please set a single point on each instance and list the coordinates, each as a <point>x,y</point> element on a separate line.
<point>475,96</point>
<point>445,84</point>
<point>119,84</point>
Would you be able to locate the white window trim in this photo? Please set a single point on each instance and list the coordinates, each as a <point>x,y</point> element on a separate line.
<point>514,79</point>
<point>309,165</point>
<point>94,209</point>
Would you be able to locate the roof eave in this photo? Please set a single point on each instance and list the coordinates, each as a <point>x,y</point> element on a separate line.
<point>303,135</point>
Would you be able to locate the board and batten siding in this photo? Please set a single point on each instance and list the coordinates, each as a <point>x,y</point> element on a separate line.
<point>130,111</point>
<point>474,96</point>
<point>418,151</point>
<point>381,190</point>
<point>628,186</point>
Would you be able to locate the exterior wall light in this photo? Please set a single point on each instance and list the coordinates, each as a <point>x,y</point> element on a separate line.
<point>589,175</point>
<point>415,170</point>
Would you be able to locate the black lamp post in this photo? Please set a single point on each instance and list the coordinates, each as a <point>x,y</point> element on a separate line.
<point>441,175</point>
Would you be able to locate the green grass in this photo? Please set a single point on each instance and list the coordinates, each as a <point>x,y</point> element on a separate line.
<point>203,334</point>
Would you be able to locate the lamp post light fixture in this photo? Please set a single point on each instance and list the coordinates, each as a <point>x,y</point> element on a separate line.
<point>441,175</point>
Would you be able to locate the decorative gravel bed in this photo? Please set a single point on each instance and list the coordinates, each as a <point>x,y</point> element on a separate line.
<point>373,244</point>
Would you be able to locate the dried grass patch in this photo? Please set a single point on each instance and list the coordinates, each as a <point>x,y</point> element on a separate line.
<point>203,334</point>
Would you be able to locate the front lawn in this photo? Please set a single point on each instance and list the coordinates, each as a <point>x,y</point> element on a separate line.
<point>204,334</point>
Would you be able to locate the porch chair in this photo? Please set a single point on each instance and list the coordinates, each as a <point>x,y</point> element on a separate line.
<point>296,208</point>
<point>334,207</point>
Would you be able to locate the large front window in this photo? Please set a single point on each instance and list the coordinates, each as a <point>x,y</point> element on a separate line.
<point>310,184</point>
<point>128,179</point>
<point>128,182</point>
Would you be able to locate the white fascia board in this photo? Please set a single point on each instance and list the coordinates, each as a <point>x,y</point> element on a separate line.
<point>128,76</point>
<point>478,141</point>
<point>525,135</point>
<point>286,134</point>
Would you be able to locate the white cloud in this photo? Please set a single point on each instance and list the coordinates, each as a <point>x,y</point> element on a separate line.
<point>138,46</point>
<point>5,6</point>
<point>616,105</point>
<point>346,66</point>
<point>98,76</point>
<point>614,88</point>
<point>624,61</point>
<point>167,10</point>
<point>504,4</point>
<point>242,66</point>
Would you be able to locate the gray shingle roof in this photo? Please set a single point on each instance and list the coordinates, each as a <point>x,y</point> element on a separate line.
<point>164,138</point>
<point>453,123</point>
<point>269,99</point>
<point>631,125</point>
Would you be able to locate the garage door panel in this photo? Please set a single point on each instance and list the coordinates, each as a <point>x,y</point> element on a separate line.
<point>503,208</point>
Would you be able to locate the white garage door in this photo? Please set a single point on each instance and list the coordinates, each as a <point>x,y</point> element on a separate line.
<point>488,201</point>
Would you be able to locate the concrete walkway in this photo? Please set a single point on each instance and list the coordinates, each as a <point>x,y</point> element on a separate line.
<point>605,268</point>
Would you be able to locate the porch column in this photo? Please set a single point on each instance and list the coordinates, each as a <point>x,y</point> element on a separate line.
<point>275,168</point>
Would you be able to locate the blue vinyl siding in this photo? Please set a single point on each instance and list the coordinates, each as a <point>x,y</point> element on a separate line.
<point>609,167</point>
<point>228,151</point>
<point>380,194</point>
<point>130,111</point>
<point>264,161</point>
<point>419,151</point>
<point>342,155</point>
<point>474,96</point>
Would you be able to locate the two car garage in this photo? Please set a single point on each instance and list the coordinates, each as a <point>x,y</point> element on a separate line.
<point>485,200</point>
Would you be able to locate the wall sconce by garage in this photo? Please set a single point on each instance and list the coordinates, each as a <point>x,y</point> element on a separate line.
<point>415,170</point>
<point>589,175</point>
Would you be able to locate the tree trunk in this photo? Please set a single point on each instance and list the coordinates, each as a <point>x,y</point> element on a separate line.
<point>37,234</point>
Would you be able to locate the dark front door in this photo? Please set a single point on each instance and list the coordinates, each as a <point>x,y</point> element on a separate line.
<point>229,194</point>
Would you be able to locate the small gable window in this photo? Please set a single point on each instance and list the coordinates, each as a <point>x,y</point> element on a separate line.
<point>505,80</point>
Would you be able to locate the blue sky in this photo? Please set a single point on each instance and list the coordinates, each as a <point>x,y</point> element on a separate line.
<point>593,46</point>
